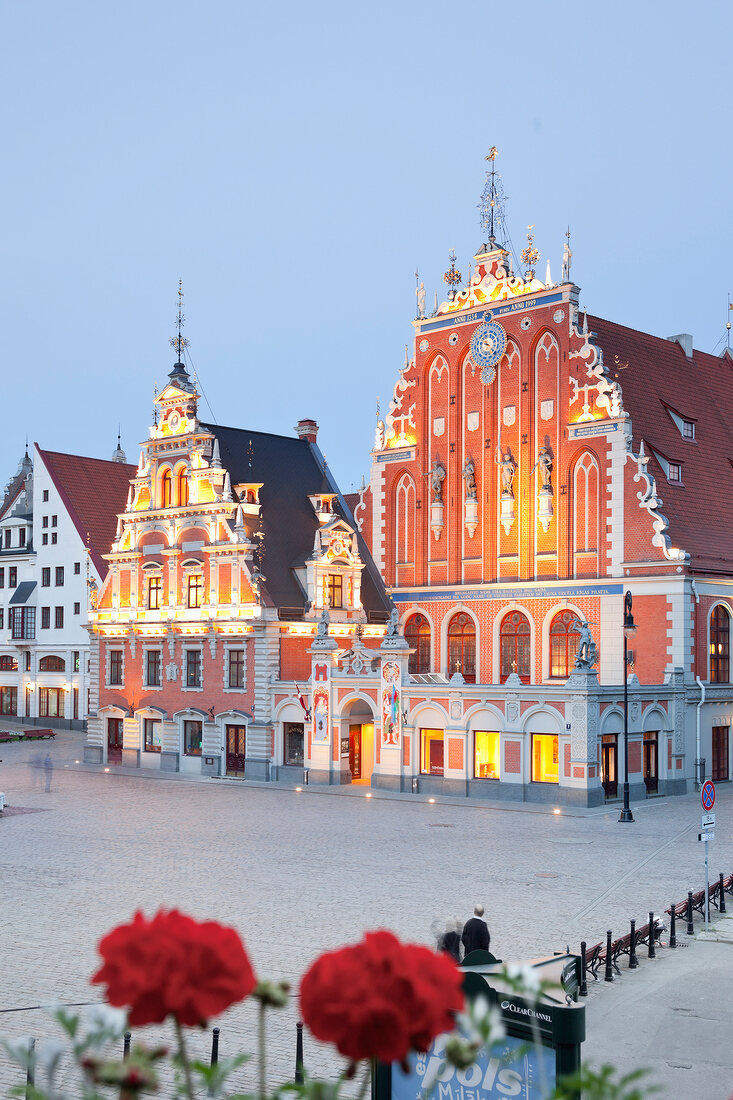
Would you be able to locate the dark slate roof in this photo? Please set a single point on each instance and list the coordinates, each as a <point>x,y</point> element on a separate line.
<point>22,592</point>
<point>290,470</point>
<point>93,490</point>
<point>656,375</point>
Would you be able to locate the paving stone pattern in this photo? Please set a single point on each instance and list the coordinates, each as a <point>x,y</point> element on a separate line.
<point>297,873</point>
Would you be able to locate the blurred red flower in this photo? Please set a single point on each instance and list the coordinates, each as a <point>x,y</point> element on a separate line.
<point>174,966</point>
<point>380,998</point>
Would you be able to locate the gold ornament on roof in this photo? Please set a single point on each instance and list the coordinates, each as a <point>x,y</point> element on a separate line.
<point>530,254</point>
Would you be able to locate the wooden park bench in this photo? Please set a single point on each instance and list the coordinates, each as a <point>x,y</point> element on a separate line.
<point>38,734</point>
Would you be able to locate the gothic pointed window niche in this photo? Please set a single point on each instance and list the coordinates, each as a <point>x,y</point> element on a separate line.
<point>166,489</point>
<point>462,647</point>
<point>719,645</point>
<point>564,637</point>
<point>417,635</point>
<point>182,487</point>
<point>514,639</point>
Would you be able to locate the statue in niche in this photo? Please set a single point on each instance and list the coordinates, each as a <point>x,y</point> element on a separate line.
<point>469,471</point>
<point>421,300</point>
<point>508,470</point>
<point>587,652</point>
<point>544,461</point>
<point>379,436</point>
<point>437,477</point>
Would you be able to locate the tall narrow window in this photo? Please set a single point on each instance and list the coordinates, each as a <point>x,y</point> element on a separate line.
<point>564,637</point>
<point>515,646</point>
<point>719,645</point>
<point>192,738</point>
<point>115,667</point>
<point>404,527</point>
<point>195,587</point>
<point>152,668</point>
<point>193,668</point>
<point>59,576</point>
<point>236,668</point>
<point>417,635</point>
<point>182,487</point>
<point>154,587</point>
<point>462,647</point>
<point>166,486</point>
<point>59,618</point>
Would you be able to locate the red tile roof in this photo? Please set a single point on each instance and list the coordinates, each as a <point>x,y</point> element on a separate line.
<point>93,490</point>
<point>654,375</point>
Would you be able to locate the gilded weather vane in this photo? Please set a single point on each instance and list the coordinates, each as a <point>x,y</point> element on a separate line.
<point>452,276</point>
<point>179,343</point>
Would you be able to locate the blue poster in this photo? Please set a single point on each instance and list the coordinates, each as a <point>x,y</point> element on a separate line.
<point>527,1076</point>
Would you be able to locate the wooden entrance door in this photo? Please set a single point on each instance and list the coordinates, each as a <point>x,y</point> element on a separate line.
<point>114,740</point>
<point>651,763</point>
<point>720,753</point>
<point>609,764</point>
<point>236,749</point>
<point>355,751</point>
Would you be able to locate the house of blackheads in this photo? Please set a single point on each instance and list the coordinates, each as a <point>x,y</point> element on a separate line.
<point>537,526</point>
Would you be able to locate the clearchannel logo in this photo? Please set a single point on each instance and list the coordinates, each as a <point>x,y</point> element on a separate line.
<point>519,1010</point>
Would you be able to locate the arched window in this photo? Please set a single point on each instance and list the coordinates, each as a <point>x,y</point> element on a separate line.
<point>515,646</point>
<point>719,645</point>
<point>564,638</point>
<point>462,647</point>
<point>417,635</point>
<point>166,486</point>
<point>51,664</point>
<point>404,528</point>
<point>8,664</point>
<point>182,487</point>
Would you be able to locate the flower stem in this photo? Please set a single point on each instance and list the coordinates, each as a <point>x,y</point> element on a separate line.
<point>365,1082</point>
<point>184,1061</point>
<point>262,1055</point>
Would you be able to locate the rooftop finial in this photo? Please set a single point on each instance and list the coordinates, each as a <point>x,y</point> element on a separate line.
<point>452,276</point>
<point>492,202</point>
<point>530,254</point>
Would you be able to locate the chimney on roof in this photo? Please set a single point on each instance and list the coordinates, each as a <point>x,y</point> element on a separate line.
<point>685,341</point>
<point>307,430</point>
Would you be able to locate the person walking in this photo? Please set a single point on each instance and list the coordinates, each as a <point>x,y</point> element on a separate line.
<point>48,768</point>
<point>475,935</point>
<point>450,941</point>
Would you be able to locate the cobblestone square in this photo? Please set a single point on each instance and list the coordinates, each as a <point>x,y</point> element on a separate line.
<point>298,872</point>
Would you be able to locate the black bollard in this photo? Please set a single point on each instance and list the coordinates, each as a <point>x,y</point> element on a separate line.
<point>30,1073</point>
<point>299,1053</point>
<point>633,961</point>
<point>652,947</point>
<point>690,925</point>
<point>721,907</point>
<point>126,1045</point>
<point>583,991</point>
<point>608,976</point>
<point>672,929</point>
<point>215,1046</point>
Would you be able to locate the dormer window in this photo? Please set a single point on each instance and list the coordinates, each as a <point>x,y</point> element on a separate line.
<point>335,584</point>
<point>685,425</point>
<point>688,429</point>
<point>674,472</point>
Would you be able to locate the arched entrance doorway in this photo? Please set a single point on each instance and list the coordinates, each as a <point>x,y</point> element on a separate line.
<point>357,723</point>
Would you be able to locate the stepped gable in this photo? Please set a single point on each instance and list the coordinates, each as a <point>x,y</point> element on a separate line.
<point>94,491</point>
<point>290,469</point>
<point>656,376</point>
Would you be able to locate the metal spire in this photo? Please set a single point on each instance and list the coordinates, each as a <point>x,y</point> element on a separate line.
<point>179,343</point>
<point>492,202</point>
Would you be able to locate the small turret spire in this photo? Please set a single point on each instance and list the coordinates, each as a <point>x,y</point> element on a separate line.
<point>119,455</point>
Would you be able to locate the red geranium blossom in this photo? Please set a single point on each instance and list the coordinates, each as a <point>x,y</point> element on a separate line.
<point>380,998</point>
<point>174,966</point>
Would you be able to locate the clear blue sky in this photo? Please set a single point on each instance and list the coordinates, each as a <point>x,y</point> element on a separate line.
<point>293,163</point>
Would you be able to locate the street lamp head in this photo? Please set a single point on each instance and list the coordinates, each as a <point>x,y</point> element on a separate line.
<point>629,627</point>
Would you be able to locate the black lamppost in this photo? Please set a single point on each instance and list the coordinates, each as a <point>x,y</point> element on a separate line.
<point>629,632</point>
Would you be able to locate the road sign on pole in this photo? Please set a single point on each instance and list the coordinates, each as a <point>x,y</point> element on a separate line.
<point>707,795</point>
<point>707,822</point>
